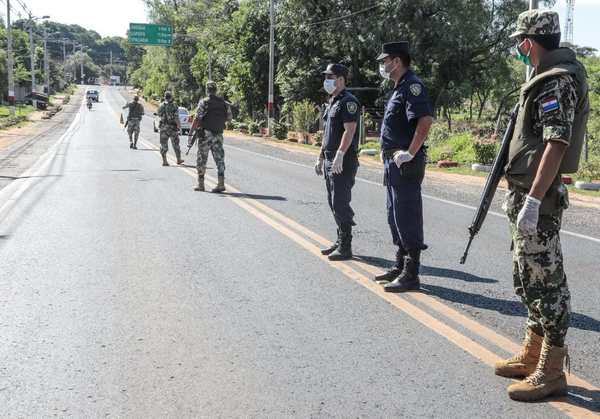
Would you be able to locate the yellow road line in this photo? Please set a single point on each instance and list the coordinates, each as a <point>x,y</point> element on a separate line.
<point>467,344</point>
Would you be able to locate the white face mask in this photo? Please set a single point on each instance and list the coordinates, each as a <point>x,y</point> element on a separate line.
<point>329,85</point>
<point>385,73</point>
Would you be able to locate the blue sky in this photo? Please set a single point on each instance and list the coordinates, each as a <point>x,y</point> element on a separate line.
<point>112,17</point>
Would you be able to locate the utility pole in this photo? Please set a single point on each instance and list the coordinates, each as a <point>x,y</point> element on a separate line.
<point>81,65</point>
<point>271,98</point>
<point>209,64</point>
<point>9,61</point>
<point>32,57</point>
<point>64,42</point>
<point>46,65</point>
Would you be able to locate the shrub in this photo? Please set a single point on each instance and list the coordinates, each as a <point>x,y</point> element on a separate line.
<point>370,145</point>
<point>253,127</point>
<point>485,151</point>
<point>459,148</point>
<point>304,114</point>
<point>589,171</point>
<point>280,130</point>
<point>437,134</point>
<point>318,138</point>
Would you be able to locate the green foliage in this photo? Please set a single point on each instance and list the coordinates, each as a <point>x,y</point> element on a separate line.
<point>280,130</point>
<point>438,134</point>
<point>459,148</point>
<point>371,145</point>
<point>485,151</point>
<point>318,138</point>
<point>253,127</point>
<point>589,171</point>
<point>304,115</point>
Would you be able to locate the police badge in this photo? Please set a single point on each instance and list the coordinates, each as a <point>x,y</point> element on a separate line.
<point>416,89</point>
<point>352,107</point>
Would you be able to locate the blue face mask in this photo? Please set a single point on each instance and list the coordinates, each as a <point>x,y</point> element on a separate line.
<point>522,57</point>
<point>329,85</point>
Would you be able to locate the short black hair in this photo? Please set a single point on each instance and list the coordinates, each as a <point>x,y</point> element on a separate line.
<point>548,42</point>
<point>404,57</point>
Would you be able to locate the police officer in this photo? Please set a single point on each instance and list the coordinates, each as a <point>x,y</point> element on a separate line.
<point>338,159</point>
<point>134,117</point>
<point>169,126</point>
<point>547,141</point>
<point>208,125</point>
<point>406,122</point>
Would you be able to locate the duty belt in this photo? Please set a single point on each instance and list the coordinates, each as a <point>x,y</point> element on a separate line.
<point>330,155</point>
<point>389,154</point>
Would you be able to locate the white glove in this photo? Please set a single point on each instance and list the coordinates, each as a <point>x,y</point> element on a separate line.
<point>529,215</point>
<point>319,166</point>
<point>401,157</point>
<point>338,163</point>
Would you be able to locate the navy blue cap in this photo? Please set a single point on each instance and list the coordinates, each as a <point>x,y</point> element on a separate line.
<point>393,48</point>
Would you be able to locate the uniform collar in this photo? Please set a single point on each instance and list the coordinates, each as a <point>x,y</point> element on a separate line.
<point>555,57</point>
<point>339,95</point>
<point>405,77</point>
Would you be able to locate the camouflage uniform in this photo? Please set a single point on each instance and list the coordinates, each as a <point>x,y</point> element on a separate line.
<point>538,271</point>
<point>169,115</point>
<point>210,141</point>
<point>135,112</point>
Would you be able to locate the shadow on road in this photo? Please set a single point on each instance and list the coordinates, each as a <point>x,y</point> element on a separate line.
<point>585,398</point>
<point>506,307</point>
<point>253,196</point>
<point>431,271</point>
<point>28,177</point>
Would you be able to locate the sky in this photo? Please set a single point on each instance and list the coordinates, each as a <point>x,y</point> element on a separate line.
<point>112,17</point>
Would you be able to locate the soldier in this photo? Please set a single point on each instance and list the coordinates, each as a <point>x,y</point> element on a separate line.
<point>169,127</point>
<point>134,117</point>
<point>406,123</point>
<point>338,159</point>
<point>211,115</point>
<point>547,141</point>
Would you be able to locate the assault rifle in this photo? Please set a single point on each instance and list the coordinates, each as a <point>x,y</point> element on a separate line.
<point>491,184</point>
<point>198,133</point>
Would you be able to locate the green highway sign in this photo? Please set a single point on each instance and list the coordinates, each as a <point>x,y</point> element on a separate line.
<point>150,34</point>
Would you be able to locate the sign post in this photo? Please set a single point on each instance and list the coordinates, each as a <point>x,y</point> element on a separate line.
<point>150,34</point>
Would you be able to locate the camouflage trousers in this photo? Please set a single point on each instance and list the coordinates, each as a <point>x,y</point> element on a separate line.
<point>214,143</point>
<point>133,127</point>
<point>171,133</point>
<point>538,272</point>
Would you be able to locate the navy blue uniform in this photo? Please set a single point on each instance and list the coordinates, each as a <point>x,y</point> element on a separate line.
<point>408,103</point>
<point>341,109</point>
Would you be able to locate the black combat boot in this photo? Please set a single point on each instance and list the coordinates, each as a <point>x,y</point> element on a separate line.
<point>344,250</point>
<point>408,280</point>
<point>394,272</point>
<point>333,247</point>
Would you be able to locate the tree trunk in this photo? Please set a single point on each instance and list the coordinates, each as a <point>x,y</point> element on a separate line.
<point>482,105</point>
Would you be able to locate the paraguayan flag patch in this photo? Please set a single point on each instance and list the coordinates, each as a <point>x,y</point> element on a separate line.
<point>550,104</point>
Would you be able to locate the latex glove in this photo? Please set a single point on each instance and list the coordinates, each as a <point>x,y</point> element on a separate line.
<point>529,215</point>
<point>338,163</point>
<point>401,157</point>
<point>319,166</point>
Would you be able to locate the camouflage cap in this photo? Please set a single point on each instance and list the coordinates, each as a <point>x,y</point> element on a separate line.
<point>211,86</point>
<point>537,22</point>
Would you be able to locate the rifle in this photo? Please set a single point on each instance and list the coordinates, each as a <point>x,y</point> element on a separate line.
<point>198,133</point>
<point>491,184</point>
<point>126,123</point>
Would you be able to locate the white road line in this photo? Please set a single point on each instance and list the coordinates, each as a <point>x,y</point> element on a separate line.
<point>10,195</point>
<point>430,197</point>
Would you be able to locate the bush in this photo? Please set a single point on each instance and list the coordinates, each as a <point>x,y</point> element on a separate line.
<point>437,134</point>
<point>253,127</point>
<point>303,114</point>
<point>280,130</point>
<point>459,148</point>
<point>318,138</point>
<point>589,171</point>
<point>485,151</point>
<point>370,146</point>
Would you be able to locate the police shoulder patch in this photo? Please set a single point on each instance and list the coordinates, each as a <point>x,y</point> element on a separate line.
<point>416,89</point>
<point>352,107</point>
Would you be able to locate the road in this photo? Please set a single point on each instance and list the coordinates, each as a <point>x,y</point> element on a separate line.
<point>124,293</point>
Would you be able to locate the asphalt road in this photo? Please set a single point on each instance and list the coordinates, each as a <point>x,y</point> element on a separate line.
<point>124,293</point>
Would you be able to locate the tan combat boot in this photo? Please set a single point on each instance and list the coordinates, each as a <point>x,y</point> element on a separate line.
<point>200,187</point>
<point>164,160</point>
<point>524,362</point>
<point>220,185</point>
<point>548,379</point>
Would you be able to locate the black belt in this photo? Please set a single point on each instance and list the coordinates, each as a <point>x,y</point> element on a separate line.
<point>330,155</point>
<point>389,154</point>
